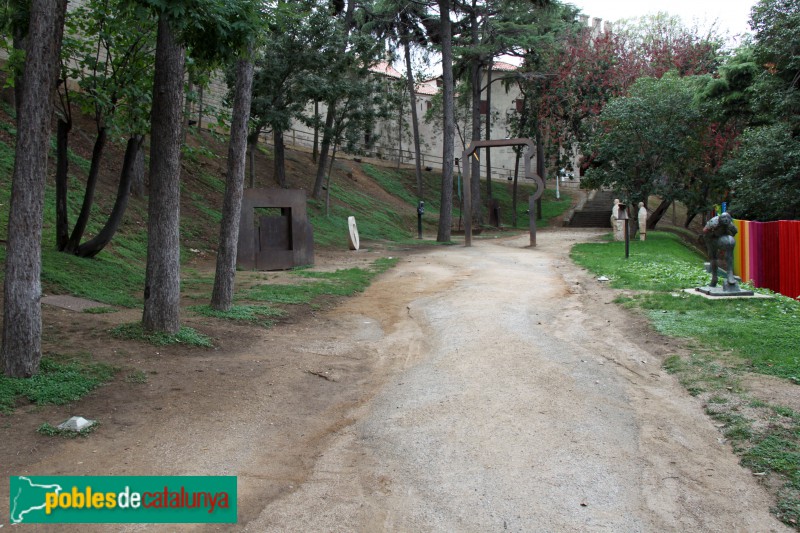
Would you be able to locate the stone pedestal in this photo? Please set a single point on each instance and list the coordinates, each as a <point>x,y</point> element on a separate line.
<point>726,291</point>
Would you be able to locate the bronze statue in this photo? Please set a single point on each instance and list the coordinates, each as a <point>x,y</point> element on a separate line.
<point>719,236</point>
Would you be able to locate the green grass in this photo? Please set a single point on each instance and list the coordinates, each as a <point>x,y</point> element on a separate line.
<point>259,314</point>
<point>115,276</point>
<point>52,431</point>
<point>345,282</point>
<point>729,336</point>
<point>402,184</point>
<point>99,310</point>
<point>104,278</point>
<point>551,207</point>
<point>780,454</point>
<point>193,154</point>
<point>57,383</point>
<point>762,333</point>
<point>394,182</point>
<point>661,263</point>
<point>777,455</point>
<point>212,182</point>
<point>186,336</point>
<point>376,219</point>
<point>201,204</point>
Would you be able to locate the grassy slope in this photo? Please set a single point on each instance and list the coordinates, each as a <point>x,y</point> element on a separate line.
<point>384,205</point>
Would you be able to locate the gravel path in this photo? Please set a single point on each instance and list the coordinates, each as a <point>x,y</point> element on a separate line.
<point>520,399</point>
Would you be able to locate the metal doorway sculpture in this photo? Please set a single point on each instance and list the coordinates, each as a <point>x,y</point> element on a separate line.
<point>528,174</point>
<point>277,242</point>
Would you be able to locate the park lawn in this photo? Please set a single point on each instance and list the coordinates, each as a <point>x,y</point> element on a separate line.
<point>761,333</point>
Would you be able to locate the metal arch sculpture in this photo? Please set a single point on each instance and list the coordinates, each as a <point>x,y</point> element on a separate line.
<point>528,174</point>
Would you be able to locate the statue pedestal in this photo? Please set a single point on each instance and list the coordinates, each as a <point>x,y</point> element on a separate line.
<point>726,291</point>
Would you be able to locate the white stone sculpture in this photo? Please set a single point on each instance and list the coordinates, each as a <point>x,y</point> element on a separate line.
<point>618,225</point>
<point>614,213</point>
<point>642,221</point>
<point>352,233</point>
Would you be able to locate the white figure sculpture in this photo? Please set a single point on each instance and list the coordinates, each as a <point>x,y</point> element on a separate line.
<point>618,225</point>
<point>614,213</point>
<point>642,221</point>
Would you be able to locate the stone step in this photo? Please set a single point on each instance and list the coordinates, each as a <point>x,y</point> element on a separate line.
<point>595,213</point>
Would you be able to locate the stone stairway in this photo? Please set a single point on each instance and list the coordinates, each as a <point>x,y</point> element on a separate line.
<point>595,213</point>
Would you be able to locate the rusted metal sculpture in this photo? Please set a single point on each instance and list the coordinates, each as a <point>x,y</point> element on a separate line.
<point>274,242</point>
<point>528,174</point>
<point>720,233</point>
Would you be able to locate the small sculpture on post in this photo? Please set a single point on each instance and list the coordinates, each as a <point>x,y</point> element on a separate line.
<point>642,215</point>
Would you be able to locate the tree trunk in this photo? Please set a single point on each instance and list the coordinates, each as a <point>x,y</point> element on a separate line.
<point>656,215</point>
<point>539,167</point>
<point>412,98</point>
<point>489,130</point>
<point>88,195</point>
<point>475,79</point>
<point>19,42</point>
<point>330,118</point>
<point>399,134</point>
<point>200,109</point>
<point>137,171</point>
<point>22,312</point>
<point>514,192</point>
<point>163,275</point>
<point>92,247</point>
<point>328,181</point>
<point>62,183</point>
<point>315,149</point>
<point>323,155</point>
<point>475,179</point>
<point>523,125</point>
<point>279,159</point>
<point>449,125</point>
<point>252,145</point>
<point>225,276</point>
<point>187,102</point>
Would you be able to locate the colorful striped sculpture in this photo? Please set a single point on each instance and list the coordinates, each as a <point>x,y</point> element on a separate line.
<point>767,254</point>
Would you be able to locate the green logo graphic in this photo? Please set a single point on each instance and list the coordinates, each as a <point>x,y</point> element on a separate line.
<point>122,499</point>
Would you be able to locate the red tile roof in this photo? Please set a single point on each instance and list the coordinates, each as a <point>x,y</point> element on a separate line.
<point>503,66</point>
<point>427,87</point>
<point>386,69</point>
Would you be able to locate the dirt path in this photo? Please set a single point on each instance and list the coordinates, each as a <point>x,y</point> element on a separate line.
<point>522,401</point>
<point>484,389</point>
